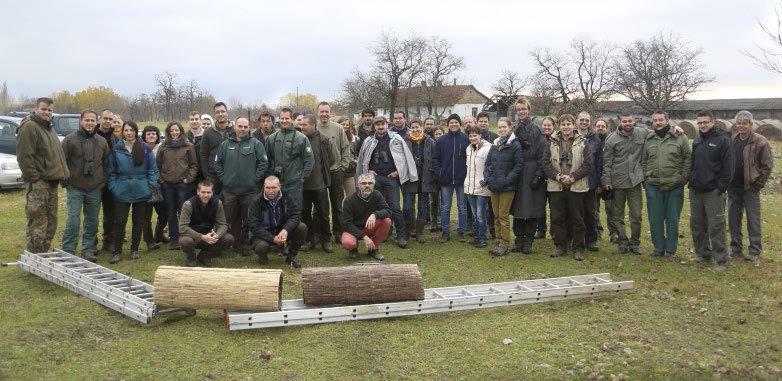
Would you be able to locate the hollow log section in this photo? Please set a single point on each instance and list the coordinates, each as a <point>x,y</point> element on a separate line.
<point>217,288</point>
<point>361,284</point>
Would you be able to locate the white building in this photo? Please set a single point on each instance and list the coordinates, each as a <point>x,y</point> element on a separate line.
<point>441,101</point>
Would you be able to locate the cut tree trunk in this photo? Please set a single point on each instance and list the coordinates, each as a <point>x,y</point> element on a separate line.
<point>361,284</point>
<point>216,288</point>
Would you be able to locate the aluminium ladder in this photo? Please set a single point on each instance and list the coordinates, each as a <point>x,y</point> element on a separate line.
<point>119,292</point>
<point>446,299</point>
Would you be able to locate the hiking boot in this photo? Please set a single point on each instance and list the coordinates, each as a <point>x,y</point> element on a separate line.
<point>540,234</point>
<point>90,256</point>
<point>353,254</point>
<point>737,255</point>
<point>558,252</point>
<point>719,267</point>
<point>204,259</point>
<point>115,258</point>
<point>592,246</point>
<point>499,251</point>
<point>326,246</point>
<point>526,246</point>
<point>191,259</point>
<point>307,246</point>
<point>376,255</point>
<point>623,249</point>
<point>401,242</point>
<point>461,237</point>
<point>634,250</point>
<point>445,237</point>
<point>578,255</point>
<point>516,248</point>
<point>152,246</point>
<point>134,254</point>
<point>481,244</point>
<point>613,238</point>
<point>752,258</point>
<point>173,245</point>
<point>419,232</point>
<point>291,260</point>
<point>263,259</point>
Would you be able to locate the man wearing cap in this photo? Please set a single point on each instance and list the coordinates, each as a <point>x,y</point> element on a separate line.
<point>386,155</point>
<point>449,165</point>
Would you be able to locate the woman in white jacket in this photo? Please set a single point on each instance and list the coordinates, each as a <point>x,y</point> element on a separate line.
<point>475,185</point>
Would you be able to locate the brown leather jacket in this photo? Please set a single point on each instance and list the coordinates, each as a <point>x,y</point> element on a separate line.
<point>758,161</point>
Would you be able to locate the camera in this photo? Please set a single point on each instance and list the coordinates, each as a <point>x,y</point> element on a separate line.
<point>89,168</point>
<point>565,158</point>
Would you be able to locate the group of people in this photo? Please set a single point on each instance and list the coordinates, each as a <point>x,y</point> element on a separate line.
<point>313,180</point>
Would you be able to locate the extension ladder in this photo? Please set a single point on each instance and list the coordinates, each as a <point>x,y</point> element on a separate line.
<point>119,292</point>
<point>446,299</point>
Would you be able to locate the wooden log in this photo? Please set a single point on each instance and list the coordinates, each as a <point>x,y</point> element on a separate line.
<point>217,288</point>
<point>361,284</point>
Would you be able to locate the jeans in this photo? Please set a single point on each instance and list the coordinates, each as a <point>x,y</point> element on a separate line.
<point>741,201</point>
<point>663,207</point>
<point>446,192</point>
<point>174,194</point>
<point>478,206</point>
<point>389,187</point>
<point>79,200</point>
<point>409,204</point>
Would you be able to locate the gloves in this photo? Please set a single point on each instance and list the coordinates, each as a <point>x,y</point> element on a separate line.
<point>536,183</point>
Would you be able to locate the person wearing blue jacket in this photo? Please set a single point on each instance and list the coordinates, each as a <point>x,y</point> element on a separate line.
<point>449,165</point>
<point>501,173</point>
<point>132,175</point>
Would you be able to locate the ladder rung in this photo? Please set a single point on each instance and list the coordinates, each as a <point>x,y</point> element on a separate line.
<point>550,285</point>
<point>116,282</point>
<point>438,295</point>
<point>577,283</point>
<point>147,295</point>
<point>523,287</point>
<point>495,290</point>
<point>467,292</point>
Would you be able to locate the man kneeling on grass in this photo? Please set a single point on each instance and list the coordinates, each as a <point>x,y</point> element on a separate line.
<point>275,223</point>
<point>366,217</point>
<point>202,226</point>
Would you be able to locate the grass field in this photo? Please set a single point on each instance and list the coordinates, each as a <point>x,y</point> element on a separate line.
<point>682,321</point>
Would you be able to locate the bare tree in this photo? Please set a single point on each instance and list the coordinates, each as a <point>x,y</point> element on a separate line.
<point>509,86</point>
<point>167,92</point>
<point>594,77</point>
<point>5,98</point>
<point>554,70</point>
<point>400,61</point>
<point>657,73</point>
<point>542,96</point>
<point>364,90</point>
<point>190,93</point>
<point>439,67</point>
<point>769,58</point>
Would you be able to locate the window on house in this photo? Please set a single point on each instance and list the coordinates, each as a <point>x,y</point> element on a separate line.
<point>474,111</point>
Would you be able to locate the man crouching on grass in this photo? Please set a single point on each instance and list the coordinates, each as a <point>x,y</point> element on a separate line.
<point>202,226</point>
<point>366,217</point>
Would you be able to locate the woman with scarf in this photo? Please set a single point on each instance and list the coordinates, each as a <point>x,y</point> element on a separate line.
<point>421,146</point>
<point>475,184</point>
<point>178,166</point>
<point>132,177</point>
<point>501,172</point>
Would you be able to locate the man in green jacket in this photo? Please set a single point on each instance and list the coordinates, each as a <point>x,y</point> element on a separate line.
<point>42,162</point>
<point>87,156</point>
<point>666,166</point>
<point>316,186</point>
<point>623,174</point>
<point>240,164</point>
<point>290,156</point>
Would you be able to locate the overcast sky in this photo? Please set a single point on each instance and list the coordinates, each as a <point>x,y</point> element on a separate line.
<point>259,50</point>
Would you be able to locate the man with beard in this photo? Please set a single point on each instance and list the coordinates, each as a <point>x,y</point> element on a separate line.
<point>366,217</point>
<point>400,123</point>
<point>275,223</point>
<point>366,128</point>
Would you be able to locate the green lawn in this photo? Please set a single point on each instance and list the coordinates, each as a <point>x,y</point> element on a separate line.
<point>682,321</point>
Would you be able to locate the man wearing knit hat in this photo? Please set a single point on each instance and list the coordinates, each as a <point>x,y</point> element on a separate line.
<point>449,165</point>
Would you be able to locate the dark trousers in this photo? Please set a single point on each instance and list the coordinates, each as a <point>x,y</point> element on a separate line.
<point>189,245</point>
<point>524,229</point>
<point>567,219</point>
<point>336,195</point>
<point>540,225</point>
<point>121,210</point>
<point>434,209</point>
<point>295,240</point>
<point>389,187</point>
<point>490,219</point>
<point>591,217</point>
<point>744,201</point>
<point>317,222</point>
<point>707,223</point>
<point>236,213</point>
<point>174,194</point>
<point>162,218</point>
<point>107,205</point>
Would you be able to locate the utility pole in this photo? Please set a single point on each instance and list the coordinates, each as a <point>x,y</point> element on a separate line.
<point>297,97</point>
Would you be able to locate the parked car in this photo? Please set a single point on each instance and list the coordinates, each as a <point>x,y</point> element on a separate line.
<point>8,126</point>
<point>64,124</point>
<point>10,174</point>
<point>18,114</point>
